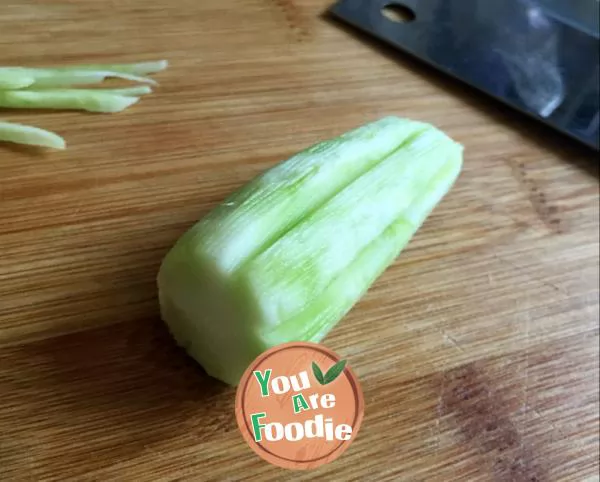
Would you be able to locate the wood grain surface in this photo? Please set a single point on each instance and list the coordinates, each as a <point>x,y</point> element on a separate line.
<point>477,350</point>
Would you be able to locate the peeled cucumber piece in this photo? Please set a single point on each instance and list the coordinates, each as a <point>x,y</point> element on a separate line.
<point>288,255</point>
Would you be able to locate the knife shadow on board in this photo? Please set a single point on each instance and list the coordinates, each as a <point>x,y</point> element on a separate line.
<point>530,129</point>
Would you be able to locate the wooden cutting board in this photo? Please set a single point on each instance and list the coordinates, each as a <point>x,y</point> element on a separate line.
<point>477,351</point>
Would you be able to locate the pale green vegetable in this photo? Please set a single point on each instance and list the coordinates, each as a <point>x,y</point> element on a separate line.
<point>289,254</point>
<point>49,88</point>
<point>18,78</point>
<point>22,77</point>
<point>21,134</point>
<point>138,68</point>
<point>136,91</point>
<point>15,78</point>
<point>72,99</point>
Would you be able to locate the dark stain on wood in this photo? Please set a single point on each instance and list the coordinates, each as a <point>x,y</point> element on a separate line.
<point>483,416</point>
<point>295,20</point>
<point>547,213</point>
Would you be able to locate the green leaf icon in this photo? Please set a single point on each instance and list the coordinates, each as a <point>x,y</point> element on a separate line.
<point>334,372</point>
<point>318,373</point>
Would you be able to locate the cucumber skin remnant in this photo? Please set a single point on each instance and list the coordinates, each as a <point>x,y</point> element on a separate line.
<point>215,291</point>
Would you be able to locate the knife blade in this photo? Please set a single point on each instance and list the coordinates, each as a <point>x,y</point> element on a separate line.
<point>540,57</point>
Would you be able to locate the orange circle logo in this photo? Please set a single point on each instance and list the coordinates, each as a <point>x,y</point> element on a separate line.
<point>299,405</point>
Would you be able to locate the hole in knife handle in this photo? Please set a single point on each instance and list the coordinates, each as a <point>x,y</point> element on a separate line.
<point>398,13</point>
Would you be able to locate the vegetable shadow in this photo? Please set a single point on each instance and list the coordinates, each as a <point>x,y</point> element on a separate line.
<point>85,401</point>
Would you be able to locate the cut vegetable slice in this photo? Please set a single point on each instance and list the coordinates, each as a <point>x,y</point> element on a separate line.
<point>87,100</point>
<point>288,255</point>
<point>52,78</point>
<point>22,134</point>
<point>20,77</point>
<point>136,91</point>
<point>15,78</point>
<point>139,68</point>
<point>48,88</point>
